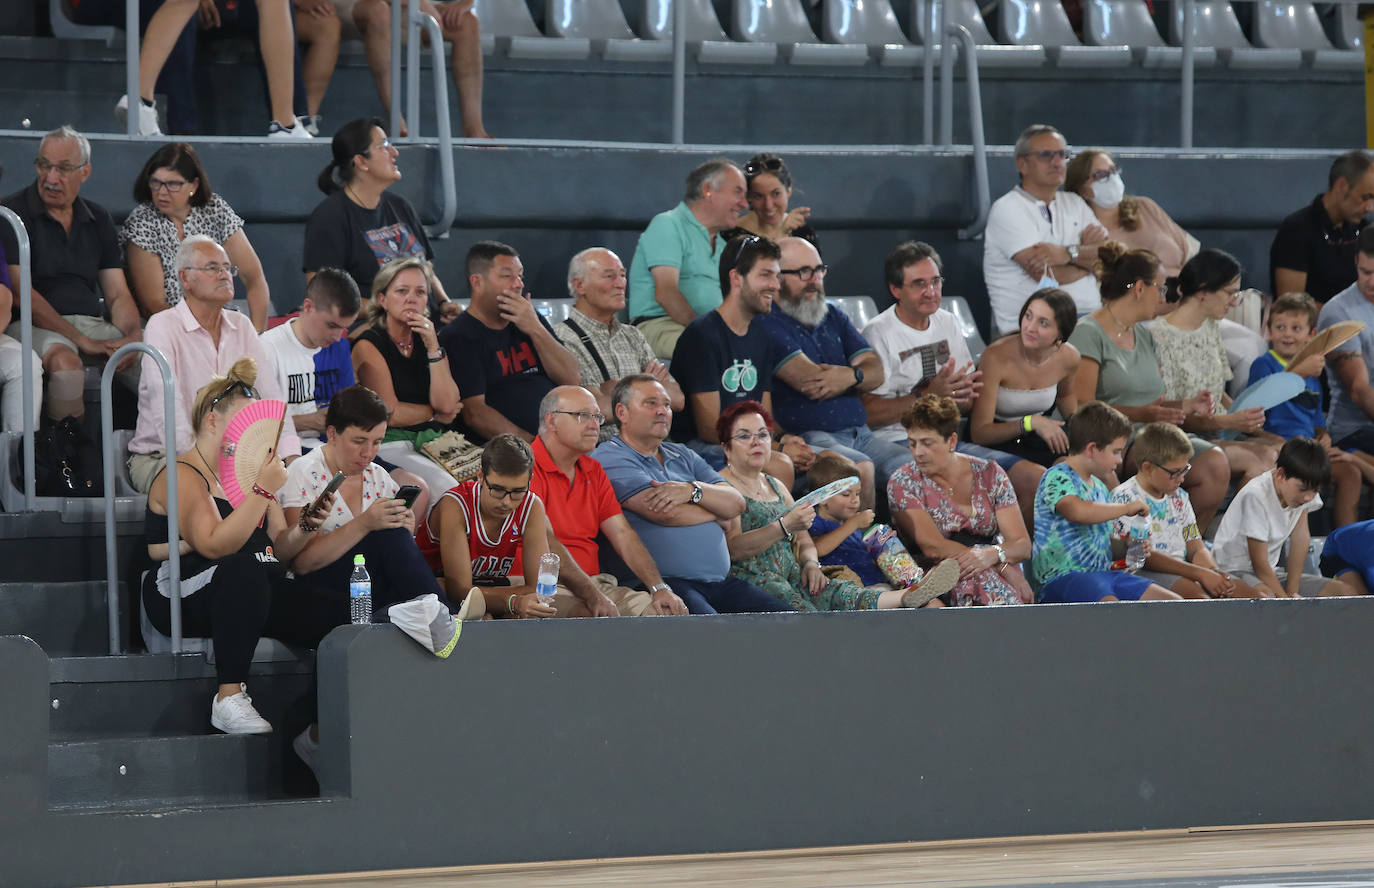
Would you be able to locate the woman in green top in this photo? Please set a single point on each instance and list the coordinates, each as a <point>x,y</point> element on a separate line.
<point>1120,368</point>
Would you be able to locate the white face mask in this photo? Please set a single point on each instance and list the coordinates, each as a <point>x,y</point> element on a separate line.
<point>1107,193</point>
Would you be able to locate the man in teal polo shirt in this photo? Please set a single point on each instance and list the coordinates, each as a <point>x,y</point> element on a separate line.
<point>675,273</point>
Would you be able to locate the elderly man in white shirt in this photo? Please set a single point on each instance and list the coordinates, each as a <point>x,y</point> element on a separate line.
<point>1039,236</point>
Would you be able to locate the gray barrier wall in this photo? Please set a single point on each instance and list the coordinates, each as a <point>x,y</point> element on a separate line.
<point>580,739</point>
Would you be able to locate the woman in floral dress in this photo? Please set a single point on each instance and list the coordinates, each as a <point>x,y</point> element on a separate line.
<point>961,507</point>
<point>769,543</point>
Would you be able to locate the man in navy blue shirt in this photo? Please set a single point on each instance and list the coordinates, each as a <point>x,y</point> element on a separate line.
<point>725,356</point>
<point>823,363</point>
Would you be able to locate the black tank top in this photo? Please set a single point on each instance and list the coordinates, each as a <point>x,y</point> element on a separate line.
<point>258,543</point>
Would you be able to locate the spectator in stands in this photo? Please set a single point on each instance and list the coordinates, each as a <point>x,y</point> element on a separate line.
<point>923,353</point>
<point>1292,322</point>
<point>75,263</point>
<point>1120,366</point>
<point>1073,515</point>
<point>503,352</point>
<point>1270,511</point>
<point>235,584</point>
<point>1131,219</point>
<point>956,506</point>
<point>675,271</point>
<point>770,544</point>
<point>1178,559</point>
<point>360,226</point>
<point>581,503</point>
<point>1314,249</point>
<point>276,39</point>
<point>398,356</point>
<point>1037,235</point>
<point>1193,362</point>
<point>309,355</point>
<point>1027,376</point>
<point>12,365</point>
<point>199,337</point>
<point>768,185</point>
<point>363,517</point>
<point>481,526</point>
<point>1347,367</point>
<point>724,357</point>
<point>675,502</point>
<point>607,350</point>
<point>175,200</point>
<point>1348,555</point>
<point>460,26</point>
<point>824,365</point>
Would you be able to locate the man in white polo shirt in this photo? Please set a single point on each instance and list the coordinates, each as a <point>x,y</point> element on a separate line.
<point>1039,236</point>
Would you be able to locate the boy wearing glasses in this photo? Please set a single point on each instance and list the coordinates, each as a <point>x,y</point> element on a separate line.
<point>1039,235</point>
<point>1178,558</point>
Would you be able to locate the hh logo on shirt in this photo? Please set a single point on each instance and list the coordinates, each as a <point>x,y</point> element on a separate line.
<point>740,376</point>
<point>517,359</point>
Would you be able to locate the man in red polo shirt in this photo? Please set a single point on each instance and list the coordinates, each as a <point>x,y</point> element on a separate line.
<point>580,503</point>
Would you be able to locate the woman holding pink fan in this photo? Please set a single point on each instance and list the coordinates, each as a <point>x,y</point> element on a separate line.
<point>234,556</point>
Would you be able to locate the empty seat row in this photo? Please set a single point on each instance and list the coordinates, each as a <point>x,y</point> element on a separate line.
<point>1030,33</point>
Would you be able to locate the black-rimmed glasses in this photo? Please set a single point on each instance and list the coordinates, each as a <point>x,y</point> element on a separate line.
<point>806,272</point>
<point>504,493</point>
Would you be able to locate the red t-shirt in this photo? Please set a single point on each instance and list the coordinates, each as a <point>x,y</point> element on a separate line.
<point>575,508</point>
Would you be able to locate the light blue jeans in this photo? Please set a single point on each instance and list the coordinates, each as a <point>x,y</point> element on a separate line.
<point>860,444</point>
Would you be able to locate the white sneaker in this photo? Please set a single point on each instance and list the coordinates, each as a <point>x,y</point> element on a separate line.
<point>147,117</point>
<point>235,714</point>
<point>306,748</point>
<point>311,122</point>
<point>297,131</point>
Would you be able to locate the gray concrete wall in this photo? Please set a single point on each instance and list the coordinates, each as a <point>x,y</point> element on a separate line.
<point>580,739</point>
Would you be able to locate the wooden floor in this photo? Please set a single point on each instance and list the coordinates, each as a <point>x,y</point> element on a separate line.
<point>1249,856</point>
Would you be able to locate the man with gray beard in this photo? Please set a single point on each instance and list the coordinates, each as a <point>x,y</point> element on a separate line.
<point>825,364</point>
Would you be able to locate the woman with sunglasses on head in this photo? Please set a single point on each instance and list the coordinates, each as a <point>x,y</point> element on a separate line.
<point>235,586</point>
<point>361,225</point>
<point>769,185</point>
<point>770,544</point>
<point>175,201</point>
<point>1131,219</point>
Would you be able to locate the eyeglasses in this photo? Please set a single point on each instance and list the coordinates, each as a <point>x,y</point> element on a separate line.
<point>1048,156</point>
<point>746,437</point>
<point>216,269</point>
<point>806,272</point>
<point>384,144</point>
<point>45,166</point>
<point>1175,474</point>
<point>772,165</point>
<point>242,388</point>
<point>505,493</point>
<point>921,284</point>
<point>1103,175</point>
<point>171,186</point>
<point>582,416</point>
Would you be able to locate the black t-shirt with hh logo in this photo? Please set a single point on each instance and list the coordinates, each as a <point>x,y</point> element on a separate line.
<point>709,357</point>
<point>501,364</point>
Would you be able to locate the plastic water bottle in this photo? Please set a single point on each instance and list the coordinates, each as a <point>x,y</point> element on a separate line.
<point>1137,541</point>
<point>548,578</point>
<point>360,592</point>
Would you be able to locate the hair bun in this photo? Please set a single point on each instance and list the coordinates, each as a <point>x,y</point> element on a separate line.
<point>245,370</point>
<point>1109,255</point>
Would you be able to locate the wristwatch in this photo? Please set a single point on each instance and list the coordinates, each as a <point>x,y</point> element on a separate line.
<point>696,493</point>
<point>1073,253</point>
<point>858,378</point>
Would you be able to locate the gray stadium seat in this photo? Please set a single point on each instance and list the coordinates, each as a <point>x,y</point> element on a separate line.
<point>268,650</point>
<point>63,27</point>
<point>859,309</point>
<point>958,306</point>
<point>555,311</point>
<point>1044,23</point>
<point>784,22</point>
<point>1289,26</point>
<point>1128,22</point>
<point>704,34</point>
<point>603,23</point>
<point>1349,31</point>
<point>873,24</point>
<point>991,54</point>
<point>1216,26</point>
<point>512,29</point>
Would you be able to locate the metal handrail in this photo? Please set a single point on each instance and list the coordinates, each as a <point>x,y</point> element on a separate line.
<point>131,91</point>
<point>447,177</point>
<point>981,195</point>
<point>679,71</point>
<point>107,451</point>
<point>25,263</point>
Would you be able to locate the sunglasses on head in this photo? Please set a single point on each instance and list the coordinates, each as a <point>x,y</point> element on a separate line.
<point>753,168</point>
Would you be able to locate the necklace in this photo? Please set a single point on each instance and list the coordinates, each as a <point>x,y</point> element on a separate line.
<point>760,488</point>
<point>348,189</point>
<point>406,346</point>
<point>1124,329</point>
<point>1025,356</point>
<point>213,473</point>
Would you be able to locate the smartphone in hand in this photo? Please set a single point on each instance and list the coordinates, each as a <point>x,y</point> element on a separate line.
<point>407,495</point>
<point>334,484</point>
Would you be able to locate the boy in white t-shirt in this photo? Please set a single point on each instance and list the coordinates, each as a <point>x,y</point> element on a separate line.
<point>1273,508</point>
<point>1178,559</point>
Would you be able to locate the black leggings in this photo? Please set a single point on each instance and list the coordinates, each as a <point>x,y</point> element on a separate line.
<point>244,602</point>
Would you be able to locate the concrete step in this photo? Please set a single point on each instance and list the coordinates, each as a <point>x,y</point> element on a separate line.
<point>66,619</point>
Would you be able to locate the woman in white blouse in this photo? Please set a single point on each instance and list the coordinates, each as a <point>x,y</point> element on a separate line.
<point>174,202</point>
